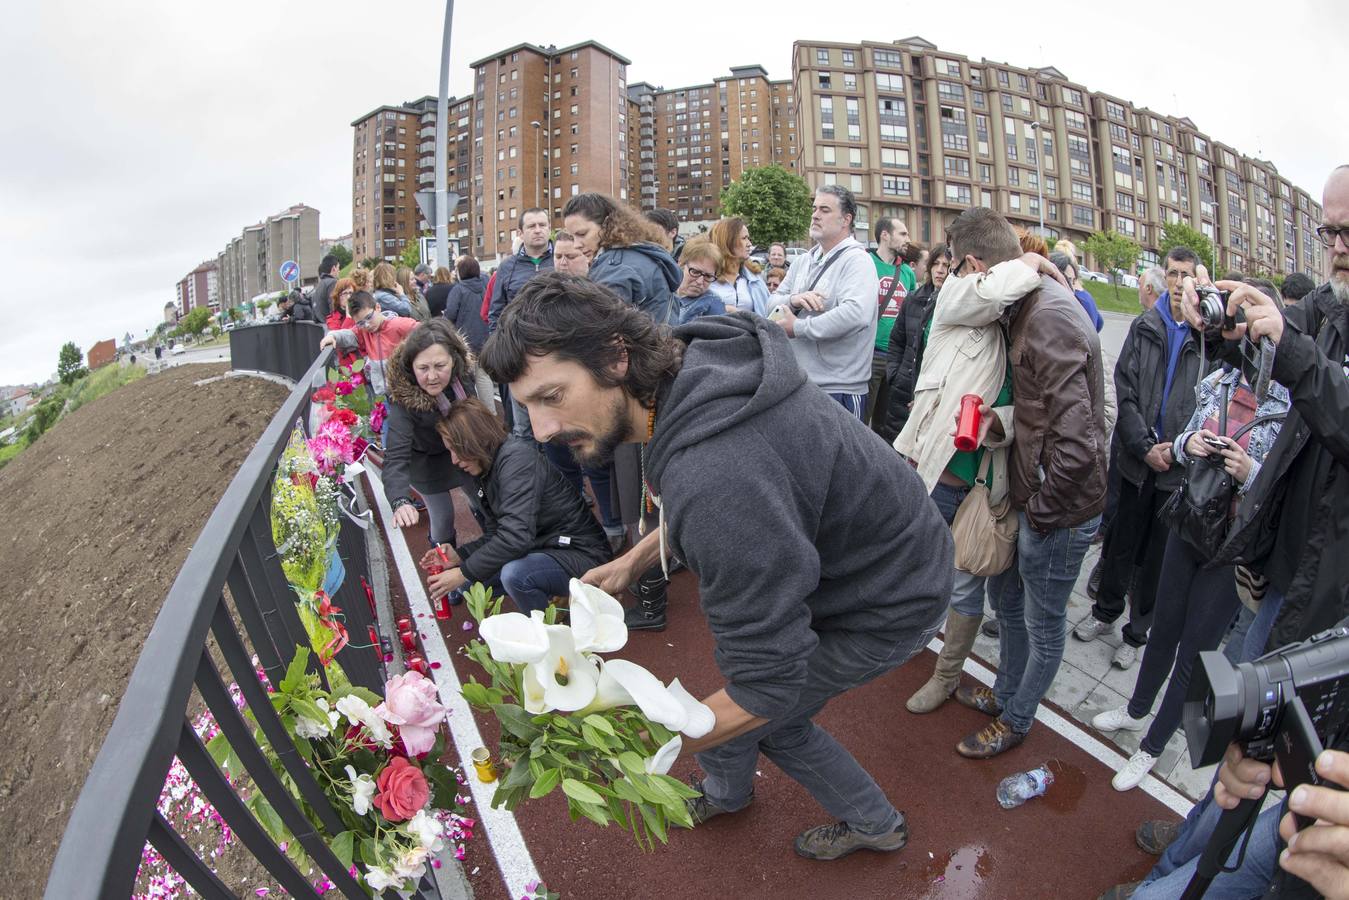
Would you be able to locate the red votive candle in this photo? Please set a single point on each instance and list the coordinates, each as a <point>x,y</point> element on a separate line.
<point>417,664</point>
<point>967,427</point>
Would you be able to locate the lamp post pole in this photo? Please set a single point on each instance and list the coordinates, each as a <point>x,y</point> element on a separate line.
<point>1039,178</point>
<point>538,177</point>
<point>442,210</point>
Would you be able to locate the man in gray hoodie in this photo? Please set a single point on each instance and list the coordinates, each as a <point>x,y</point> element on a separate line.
<point>851,579</point>
<point>827,303</point>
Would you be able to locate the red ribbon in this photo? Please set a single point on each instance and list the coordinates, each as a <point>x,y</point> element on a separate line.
<point>328,618</point>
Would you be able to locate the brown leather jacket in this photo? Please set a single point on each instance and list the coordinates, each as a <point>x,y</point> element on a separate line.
<point>1058,458</point>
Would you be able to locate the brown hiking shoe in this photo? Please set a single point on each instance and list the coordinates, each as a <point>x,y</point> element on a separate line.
<point>980,698</point>
<point>1155,835</point>
<point>994,738</point>
<point>838,840</point>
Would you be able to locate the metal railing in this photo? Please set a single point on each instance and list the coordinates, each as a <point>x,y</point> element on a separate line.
<point>115,814</point>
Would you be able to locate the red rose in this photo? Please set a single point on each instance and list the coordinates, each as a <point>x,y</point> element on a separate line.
<point>402,790</point>
<point>342,388</point>
<point>345,417</point>
<point>324,394</point>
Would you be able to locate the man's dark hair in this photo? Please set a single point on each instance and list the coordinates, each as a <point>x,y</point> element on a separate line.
<point>520,225</point>
<point>328,263</point>
<point>883,224</point>
<point>985,235</point>
<point>468,267</point>
<point>1266,287</point>
<point>584,322</point>
<point>847,203</point>
<point>664,218</point>
<point>1297,286</point>
<point>1234,275</point>
<point>1182,255</point>
<point>359,301</point>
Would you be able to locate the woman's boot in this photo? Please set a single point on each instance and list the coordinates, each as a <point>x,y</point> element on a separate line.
<point>960,633</point>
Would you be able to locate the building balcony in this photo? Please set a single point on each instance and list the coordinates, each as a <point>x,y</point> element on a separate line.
<point>648,145</point>
<point>427,132</point>
<point>426,147</point>
<point>426,178</point>
<point>426,162</point>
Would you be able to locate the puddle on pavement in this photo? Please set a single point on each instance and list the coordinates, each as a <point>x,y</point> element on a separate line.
<point>1070,783</point>
<point>959,873</point>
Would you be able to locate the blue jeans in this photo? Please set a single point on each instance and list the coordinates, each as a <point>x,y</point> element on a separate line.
<point>533,581</point>
<point>1033,618</point>
<point>853,403</point>
<point>600,480</point>
<point>967,591</point>
<point>1251,880</point>
<point>809,754</point>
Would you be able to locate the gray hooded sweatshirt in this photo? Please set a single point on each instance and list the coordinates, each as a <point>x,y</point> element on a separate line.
<point>796,518</point>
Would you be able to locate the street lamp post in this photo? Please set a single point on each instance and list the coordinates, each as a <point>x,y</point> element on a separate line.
<point>1039,178</point>
<point>442,210</point>
<point>538,200</point>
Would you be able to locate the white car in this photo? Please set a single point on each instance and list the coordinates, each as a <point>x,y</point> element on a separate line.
<point>177,349</point>
<point>1127,280</point>
<point>1088,275</point>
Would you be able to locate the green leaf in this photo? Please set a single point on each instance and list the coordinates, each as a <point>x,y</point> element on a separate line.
<point>308,708</point>
<point>627,791</point>
<point>295,679</point>
<point>343,846</point>
<point>580,791</point>
<point>632,763</point>
<point>219,749</point>
<point>655,822</point>
<point>595,812</point>
<point>677,787</point>
<point>545,783</point>
<point>600,723</point>
<point>369,851</point>
<point>516,721</point>
<point>267,818</point>
<point>352,690</point>
<point>475,694</point>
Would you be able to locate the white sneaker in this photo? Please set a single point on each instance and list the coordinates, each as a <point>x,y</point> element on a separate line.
<point>1129,777</point>
<point>1090,628</point>
<point>1125,656</point>
<point>1118,720</point>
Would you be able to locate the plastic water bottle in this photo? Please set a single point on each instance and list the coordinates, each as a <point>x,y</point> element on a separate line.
<point>1015,790</point>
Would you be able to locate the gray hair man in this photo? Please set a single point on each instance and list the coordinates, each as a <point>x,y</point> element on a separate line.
<point>1151,286</point>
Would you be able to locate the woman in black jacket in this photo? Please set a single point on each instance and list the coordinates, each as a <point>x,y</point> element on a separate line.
<point>907,340</point>
<point>463,308</point>
<point>538,533</point>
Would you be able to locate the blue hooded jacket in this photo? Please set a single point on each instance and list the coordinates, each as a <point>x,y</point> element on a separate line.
<point>643,274</point>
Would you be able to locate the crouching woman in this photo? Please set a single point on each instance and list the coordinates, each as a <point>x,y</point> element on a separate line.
<point>538,533</point>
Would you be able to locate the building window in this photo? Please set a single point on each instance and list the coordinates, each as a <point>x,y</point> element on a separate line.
<point>827,156</point>
<point>958,194</point>
<point>854,158</point>
<point>895,185</point>
<point>887,82</point>
<point>949,90</point>
<point>1084,216</point>
<point>826,117</point>
<point>894,159</point>
<point>821,56</point>
<point>825,79</point>
<point>848,58</point>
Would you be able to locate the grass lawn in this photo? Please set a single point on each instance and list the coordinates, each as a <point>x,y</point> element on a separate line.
<point>1105,297</point>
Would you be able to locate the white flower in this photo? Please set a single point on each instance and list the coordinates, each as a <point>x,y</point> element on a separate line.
<point>665,757</point>
<point>309,729</point>
<point>596,619</point>
<point>382,879</point>
<point>428,831</point>
<point>533,699</point>
<point>701,719</point>
<point>333,715</point>
<point>624,682</point>
<point>362,790</point>
<point>358,712</point>
<point>568,678</point>
<point>410,862</point>
<point>515,638</point>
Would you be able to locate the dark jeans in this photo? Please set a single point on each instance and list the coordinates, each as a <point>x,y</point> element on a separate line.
<point>600,481</point>
<point>1112,483</point>
<point>878,391</point>
<point>1194,607</point>
<point>806,752</point>
<point>1137,538</point>
<point>532,581</point>
<point>1033,618</point>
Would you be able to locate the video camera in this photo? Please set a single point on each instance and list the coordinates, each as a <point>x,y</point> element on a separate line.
<point>1288,705</point>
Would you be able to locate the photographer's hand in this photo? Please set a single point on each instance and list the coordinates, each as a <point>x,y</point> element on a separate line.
<point>1319,855</point>
<point>1241,778</point>
<point>1189,304</point>
<point>1263,316</point>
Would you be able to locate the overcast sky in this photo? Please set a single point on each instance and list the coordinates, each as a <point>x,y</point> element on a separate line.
<point>140,136</point>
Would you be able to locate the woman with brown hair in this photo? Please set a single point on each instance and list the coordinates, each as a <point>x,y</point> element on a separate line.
<point>407,286</point>
<point>625,251</point>
<point>439,291</point>
<point>738,285</point>
<point>537,532</point>
<point>389,293</point>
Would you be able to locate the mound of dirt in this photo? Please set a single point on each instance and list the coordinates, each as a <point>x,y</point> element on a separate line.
<point>102,512</point>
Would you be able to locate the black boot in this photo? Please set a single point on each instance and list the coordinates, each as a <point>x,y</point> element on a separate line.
<point>1094,581</point>
<point>649,613</point>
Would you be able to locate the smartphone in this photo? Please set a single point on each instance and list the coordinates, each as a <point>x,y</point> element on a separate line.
<point>1215,443</point>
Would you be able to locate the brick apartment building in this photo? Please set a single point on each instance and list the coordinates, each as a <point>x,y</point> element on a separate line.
<point>101,354</point>
<point>912,130</point>
<point>250,264</point>
<point>200,287</point>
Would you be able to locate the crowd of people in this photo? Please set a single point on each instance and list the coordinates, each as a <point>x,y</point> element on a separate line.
<point>618,354</point>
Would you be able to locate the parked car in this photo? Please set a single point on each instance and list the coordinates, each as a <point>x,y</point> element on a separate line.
<point>1088,275</point>
<point>177,349</point>
<point>1126,279</point>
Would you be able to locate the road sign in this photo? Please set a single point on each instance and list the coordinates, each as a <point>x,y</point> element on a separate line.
<point>427,249</point>
<point>290,271</point>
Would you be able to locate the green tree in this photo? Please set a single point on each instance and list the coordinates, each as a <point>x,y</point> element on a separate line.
<point>341,254</point>
<point>774,202</point>
<point>69,365</point>
<point>45,415</point>
<point>1178,234</point>
<point>411,255</point>
<point>370,262</point>
<point>1114,252</point>
<point>196,321</point>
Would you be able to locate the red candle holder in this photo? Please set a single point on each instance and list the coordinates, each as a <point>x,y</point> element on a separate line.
<point>967,427</point>
<point>417,664</point>
<point>374,642</point>
<point>409,640</point>
<point>404,626</point>
<point>443,608</point>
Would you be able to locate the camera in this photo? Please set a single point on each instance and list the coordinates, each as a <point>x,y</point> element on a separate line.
<point>1213,308</point>
<point>1288,705</point>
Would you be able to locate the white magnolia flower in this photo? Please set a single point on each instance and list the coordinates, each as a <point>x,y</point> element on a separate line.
<point>596,619</point>
<point>515,638</point>
<point>428,831</point>
<point>567,677</point>
<point>358,712</point>
<point>665,757</point>
<point>362,790</point>
<point>382,879</point>
<point>701,719</point>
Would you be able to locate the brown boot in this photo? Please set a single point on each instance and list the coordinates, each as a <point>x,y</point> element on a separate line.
<point>960,633</point>
<point>994,738</point>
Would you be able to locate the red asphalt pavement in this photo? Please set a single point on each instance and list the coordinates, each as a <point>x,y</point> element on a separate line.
<point>1074,842</point>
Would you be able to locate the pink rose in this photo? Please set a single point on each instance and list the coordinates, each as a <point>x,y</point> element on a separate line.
<point>402,790</point>
<point>342,388</point>
<point>411,703</point>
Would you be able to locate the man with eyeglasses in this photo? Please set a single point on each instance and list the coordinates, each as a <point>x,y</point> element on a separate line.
<point>699,260</point>
<point>373,333</point>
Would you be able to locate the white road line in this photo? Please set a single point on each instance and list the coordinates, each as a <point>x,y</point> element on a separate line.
<point>503,833</point>
<point>1082,739</point>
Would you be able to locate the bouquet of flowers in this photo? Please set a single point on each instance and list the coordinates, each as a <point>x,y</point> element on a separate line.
<point>379,764</point>
<point>347,395</point>
<point>606,731</point>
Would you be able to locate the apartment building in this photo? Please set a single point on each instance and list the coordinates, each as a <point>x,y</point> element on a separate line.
<point>921,134</point>
<point>251,263</point>
<point>200,287</point>
<point>385,150</point>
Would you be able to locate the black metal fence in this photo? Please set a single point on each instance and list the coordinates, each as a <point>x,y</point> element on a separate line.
<point>116,812</point>
<point>283,348</point>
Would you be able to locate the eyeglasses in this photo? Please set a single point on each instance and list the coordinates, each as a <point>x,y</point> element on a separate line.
<point>365,324</point>
<point>1328,233</point>
<point>961,265</point>
<point>699,273</point>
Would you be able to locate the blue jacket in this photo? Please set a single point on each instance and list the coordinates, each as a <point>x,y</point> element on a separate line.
<point>391,302</point>
<point>747,292</point>
<point>643,274</point>
<point>690,308</point>
<point>1090,306</point>
<point>512,275</point>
